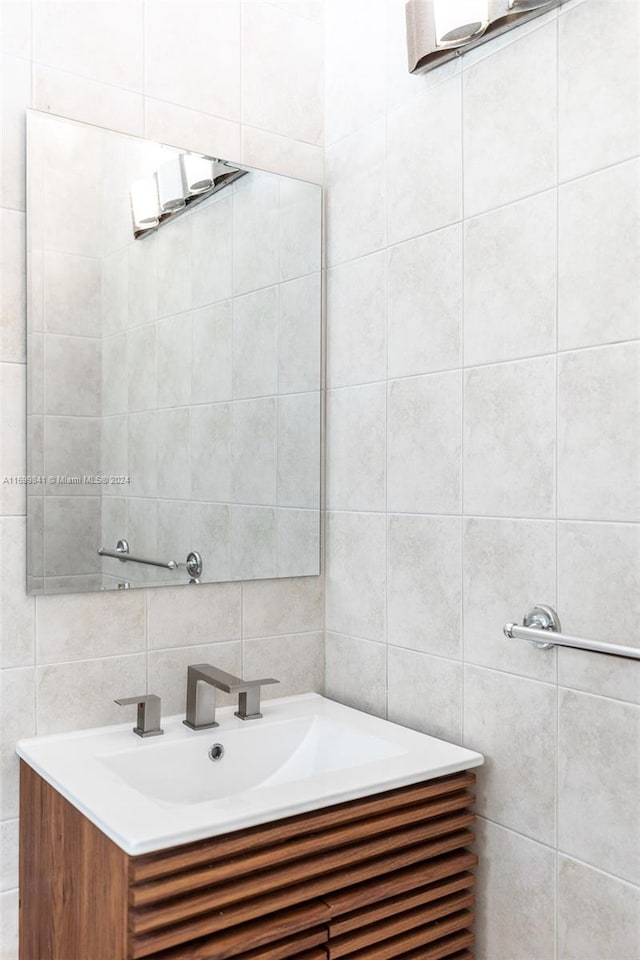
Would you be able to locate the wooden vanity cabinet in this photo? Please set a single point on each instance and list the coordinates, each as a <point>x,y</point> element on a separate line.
<point>386,877</point>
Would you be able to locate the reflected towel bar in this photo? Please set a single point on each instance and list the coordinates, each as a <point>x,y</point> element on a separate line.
<point>543,620</point>
<point>122,553</point>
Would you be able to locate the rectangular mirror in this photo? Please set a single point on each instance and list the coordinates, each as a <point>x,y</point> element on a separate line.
<point>174,357</point>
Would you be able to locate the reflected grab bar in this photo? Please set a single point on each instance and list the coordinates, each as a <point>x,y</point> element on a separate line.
<point>122,553</point>
<point>543,620</point>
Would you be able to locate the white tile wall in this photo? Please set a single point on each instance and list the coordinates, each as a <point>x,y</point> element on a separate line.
<point>534,133</point>
<point>503,192</point>
<point>173,72</point>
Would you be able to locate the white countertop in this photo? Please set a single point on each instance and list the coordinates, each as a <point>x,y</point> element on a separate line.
<point>306,752</point>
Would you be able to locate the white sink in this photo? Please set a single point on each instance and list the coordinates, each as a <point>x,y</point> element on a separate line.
<point>307,752</point>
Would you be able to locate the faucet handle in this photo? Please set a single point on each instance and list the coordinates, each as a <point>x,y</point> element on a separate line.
<point>148,721</point>
<point>249,698</point>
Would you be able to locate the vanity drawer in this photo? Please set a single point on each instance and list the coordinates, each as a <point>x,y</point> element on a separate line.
<point>291,934</point>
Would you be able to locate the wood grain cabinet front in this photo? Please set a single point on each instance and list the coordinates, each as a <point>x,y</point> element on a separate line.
<point>386,877</point>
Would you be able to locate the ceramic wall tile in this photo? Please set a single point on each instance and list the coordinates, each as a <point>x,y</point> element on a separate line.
<point>593,825</point>
<point>425,190</point>
<point>599,257</point>
<point>424,587</point>
<point>356,343</point>
<point>184,616</point>
<point>355,579</point>
<point>208,37</point>
<point>356,194</point>
<point>272,608</point>
<point>82,627</point>
<point>509,565</point>
<point>15,98</point>
<point>296,661</point>
<point>598,94</point>
<point>598,411</point>
<point>17,621</point>
<point>425,693</point>
<point>18,708</point>
<point>509,409</point>
<point>356,432</point>
<point>599,583</point>
<point>354,39</point>
<point>598,916</point>
<point>88,100</point>
<point>517,784</point>
<point>513,869</point>
<point>13,286</point>
<point>62,701</point>
<point>355,673</point>
<point>510,139</point>
<point>424,440</point>
<point>97,41</point>
<point>277,45</point>
<point>514,316</point>
<point>424,304</point>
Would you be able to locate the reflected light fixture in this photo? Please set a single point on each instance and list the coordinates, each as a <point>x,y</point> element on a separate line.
<point>459,21</point>
<point>178,184</point>
<point>171,187</point>
<point>145,205</point>
<point>198,171</point>
<point>440,30</point>
<point>517,5</point>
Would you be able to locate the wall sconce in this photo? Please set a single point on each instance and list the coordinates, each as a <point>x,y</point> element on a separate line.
<point>440,30</point>
<point>175,186</point>
<point>460,22</point>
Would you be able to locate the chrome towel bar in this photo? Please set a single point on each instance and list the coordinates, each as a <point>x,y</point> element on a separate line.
<point>193,562</point>
<point>541,621</point>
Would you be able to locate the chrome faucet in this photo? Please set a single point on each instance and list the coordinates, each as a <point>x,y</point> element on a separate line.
<point>201,715</point>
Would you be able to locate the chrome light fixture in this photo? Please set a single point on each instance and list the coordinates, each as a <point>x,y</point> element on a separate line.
<point>440,30</point>
<point>459,21</point>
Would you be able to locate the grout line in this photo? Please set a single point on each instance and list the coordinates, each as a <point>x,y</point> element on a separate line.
<point>558,851</point>
<point>386,386</point>
<point>489,517</point>
<point>491,210</point>
<point>462,423</point>
<point>555,477</point>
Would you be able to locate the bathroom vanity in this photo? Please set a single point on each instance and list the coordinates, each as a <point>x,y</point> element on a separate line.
<point>330,859</point>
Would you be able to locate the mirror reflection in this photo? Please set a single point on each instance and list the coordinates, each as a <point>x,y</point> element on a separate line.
<point>173,365</point>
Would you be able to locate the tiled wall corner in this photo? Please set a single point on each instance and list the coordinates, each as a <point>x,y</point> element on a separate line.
<point>484,253</point>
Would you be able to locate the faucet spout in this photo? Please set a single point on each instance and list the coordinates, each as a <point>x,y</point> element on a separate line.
<point>201,715</point>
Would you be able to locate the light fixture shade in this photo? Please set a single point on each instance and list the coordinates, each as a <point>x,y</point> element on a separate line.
<point>171,187</point>
<point>459,21</point>
<point>521,5</point>
<point>198,173</point>
<point>145,206</point>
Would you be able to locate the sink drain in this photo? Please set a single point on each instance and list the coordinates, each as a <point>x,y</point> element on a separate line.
<point>216,752</point>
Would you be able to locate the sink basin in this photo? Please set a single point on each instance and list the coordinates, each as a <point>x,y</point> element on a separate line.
<point>307,752</point>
